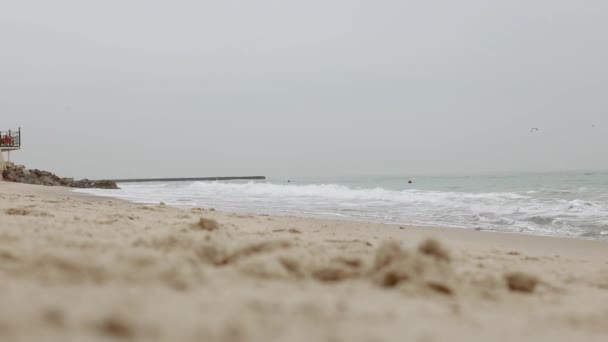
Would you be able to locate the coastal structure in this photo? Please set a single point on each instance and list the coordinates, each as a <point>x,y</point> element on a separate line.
<point>9,141</point>
<point>188,179</point>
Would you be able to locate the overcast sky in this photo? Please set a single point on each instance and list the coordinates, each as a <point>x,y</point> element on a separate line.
<point>126,88</point>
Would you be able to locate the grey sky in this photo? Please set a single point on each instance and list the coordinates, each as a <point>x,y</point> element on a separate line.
<point>119,88</point>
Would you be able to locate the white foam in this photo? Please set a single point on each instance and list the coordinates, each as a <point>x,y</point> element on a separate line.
<point>334,191</point>
<point>529,211</point>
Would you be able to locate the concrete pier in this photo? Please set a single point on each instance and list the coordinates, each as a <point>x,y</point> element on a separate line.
<point>193,179</point>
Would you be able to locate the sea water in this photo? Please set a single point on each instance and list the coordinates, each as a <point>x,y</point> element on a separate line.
<point>558,204</point>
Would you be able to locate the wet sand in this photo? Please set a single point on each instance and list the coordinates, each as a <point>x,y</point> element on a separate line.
<point>79,268</point>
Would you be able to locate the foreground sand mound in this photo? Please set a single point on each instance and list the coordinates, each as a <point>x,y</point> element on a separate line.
<point>178,256</point>
<point>428,267</point>
<point>425,269</point>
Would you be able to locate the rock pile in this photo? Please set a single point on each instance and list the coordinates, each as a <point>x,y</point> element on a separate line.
<point>19,174</point>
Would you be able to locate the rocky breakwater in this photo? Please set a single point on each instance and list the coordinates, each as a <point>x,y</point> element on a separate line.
<point>19,174</point>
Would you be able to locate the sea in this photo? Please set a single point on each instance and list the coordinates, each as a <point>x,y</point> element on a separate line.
<point>572,204</point>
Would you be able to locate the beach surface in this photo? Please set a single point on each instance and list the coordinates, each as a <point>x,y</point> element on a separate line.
<point>75,267</point>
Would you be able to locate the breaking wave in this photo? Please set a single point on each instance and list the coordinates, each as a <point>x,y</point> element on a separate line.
<point>531,211</point>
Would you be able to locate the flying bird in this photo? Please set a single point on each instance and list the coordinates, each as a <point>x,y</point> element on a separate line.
<point>534,129</point>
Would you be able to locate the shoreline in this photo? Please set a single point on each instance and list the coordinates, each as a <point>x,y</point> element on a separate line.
<point>349,219</point>
<point>77,266</point>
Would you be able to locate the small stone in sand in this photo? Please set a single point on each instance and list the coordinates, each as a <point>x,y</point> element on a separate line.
<point>115,327</point>
<point>18,212</point>
<point>331,274</point>
<point>440,287</point>
<point>521,282</point>
<point>207,224</point>
<point>54,317</point>
<point>432,247</point>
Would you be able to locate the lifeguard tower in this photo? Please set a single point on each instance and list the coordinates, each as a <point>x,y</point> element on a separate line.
<point>10,141</point>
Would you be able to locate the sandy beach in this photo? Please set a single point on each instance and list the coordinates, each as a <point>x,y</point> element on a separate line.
<point>79,268</point>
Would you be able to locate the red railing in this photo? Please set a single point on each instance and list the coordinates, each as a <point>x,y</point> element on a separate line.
<point>10,139</point>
